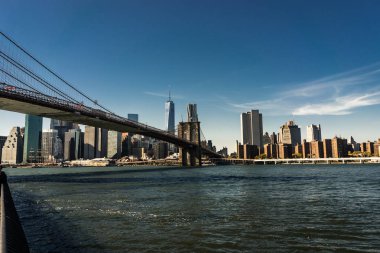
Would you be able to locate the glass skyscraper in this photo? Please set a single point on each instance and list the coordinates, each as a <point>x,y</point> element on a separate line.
<point>133,117</point>
<point>169,116</point>
<point>32,137</point>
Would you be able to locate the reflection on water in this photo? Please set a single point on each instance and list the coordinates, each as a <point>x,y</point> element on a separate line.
<point>214,209</point>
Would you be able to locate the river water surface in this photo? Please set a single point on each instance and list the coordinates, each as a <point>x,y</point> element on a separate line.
<point>267,208</point>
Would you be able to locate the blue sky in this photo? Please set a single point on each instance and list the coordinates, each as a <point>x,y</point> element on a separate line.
<point>310,61</point>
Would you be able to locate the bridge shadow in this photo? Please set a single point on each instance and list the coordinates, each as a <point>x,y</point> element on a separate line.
<point>48,230</point>
<point>104,176</point>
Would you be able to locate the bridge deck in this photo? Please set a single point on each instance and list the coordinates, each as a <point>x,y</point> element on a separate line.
<point>25,101</point>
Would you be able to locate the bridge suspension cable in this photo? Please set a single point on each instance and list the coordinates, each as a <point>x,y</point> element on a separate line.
<point>55,89</point>
<point>34,76</point>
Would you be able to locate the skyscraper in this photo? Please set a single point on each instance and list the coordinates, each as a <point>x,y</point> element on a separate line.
<point>32,137</point>
<point>12,149</point>
<point>114,145</point>
<point>313,133</point>
<point>290,133</point>
<point>95,142</point>
<point>74,145</point>
<point>252,128</point>
<point>169,116</point>
<point>61,126</point>
<point>133,117</point>
<point>51,145</point>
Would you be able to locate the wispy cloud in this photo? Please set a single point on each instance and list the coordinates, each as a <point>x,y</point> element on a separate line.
<point>162,95</point>
<point>338,94</point>
<point>340,106</point>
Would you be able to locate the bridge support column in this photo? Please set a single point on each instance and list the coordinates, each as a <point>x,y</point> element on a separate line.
<point>190,156</point>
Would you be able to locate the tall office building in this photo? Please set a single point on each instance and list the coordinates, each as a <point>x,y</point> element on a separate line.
<point>133,117</point>
<point>160,150</point>
<point>12,149</point>
<point>95,142</point>
<point>61,126</point>
<point>74,145</point>
<point>290,133</point>
<point>32,137</point>
<point>266,139</point>
<point>313,133</point>
<point>192,114</point>
<point>252,128</point>
<point>114,145</point>
<point>169,116</point>
<point>273,138</point>
<point>51,146</point>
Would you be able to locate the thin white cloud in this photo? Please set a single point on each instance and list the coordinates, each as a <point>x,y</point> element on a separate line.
<point>340,106</point>
<point>338,94</point>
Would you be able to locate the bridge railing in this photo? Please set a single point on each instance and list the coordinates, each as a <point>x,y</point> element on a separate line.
<point>12,236</point>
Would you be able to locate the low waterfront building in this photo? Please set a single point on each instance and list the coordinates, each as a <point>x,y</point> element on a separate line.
<point>370,149</point>
<point>327,148</point>
<point>339,147</point>
<point>298,150</point>
<point>285,151</point>
<point>12,150</point>
<point>316,148</point>
<point>270,151</point>
<point>306,149</point>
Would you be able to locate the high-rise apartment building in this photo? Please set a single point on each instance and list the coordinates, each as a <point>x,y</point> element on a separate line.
<point>74,145</point>
<point>95,142</point>
<point>266,139</point>
<point>273,138</point>
<point>114,145</point>
<point>160,150</point>
<point>51,146</point>
<point>12,149</point>
<point>313,133</point>
<point>252,128</point>
<point>290,133</point>
<point>169,116</point>
<point>61,126</point>
<point>32,137</point>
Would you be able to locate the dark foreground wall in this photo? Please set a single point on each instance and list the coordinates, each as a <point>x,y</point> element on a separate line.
<point>12,236</point>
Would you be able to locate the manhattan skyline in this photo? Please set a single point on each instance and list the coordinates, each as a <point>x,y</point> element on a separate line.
<point>227,58</point>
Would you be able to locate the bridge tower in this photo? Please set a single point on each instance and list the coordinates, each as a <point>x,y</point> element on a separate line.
<point>191,131</point>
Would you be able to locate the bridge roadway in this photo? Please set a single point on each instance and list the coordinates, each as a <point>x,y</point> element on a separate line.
<point>20,100</point>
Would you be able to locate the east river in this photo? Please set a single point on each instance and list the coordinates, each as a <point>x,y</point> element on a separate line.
<point>289,208</point>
